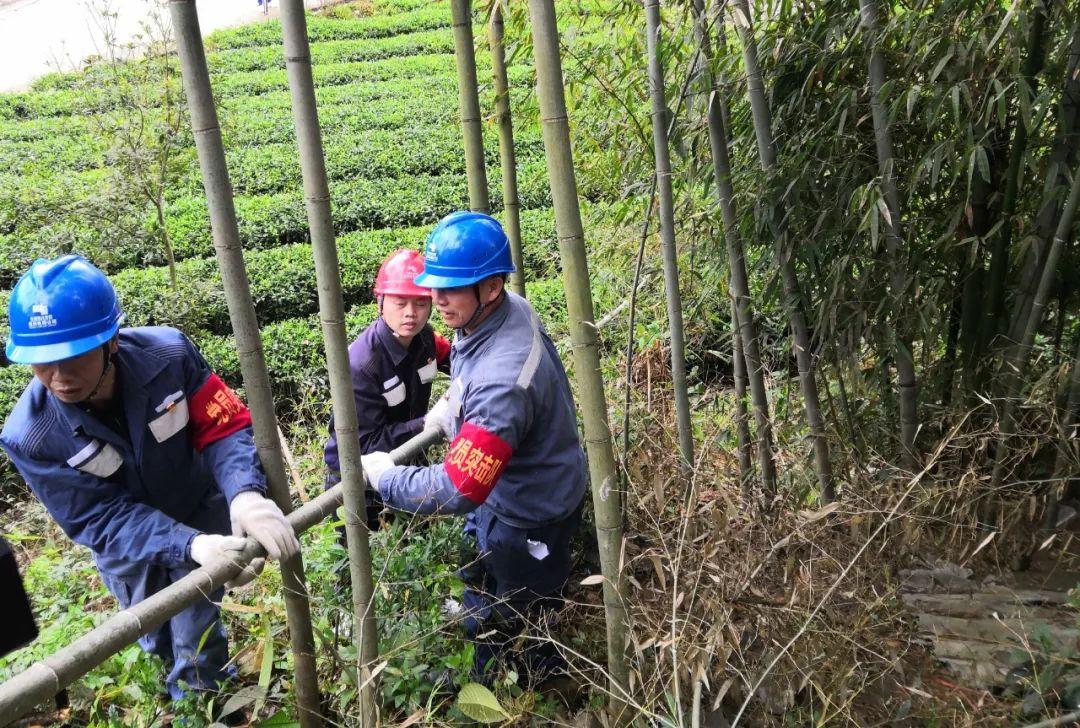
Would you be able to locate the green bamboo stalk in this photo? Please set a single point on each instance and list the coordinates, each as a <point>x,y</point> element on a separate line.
<point>800,333</point>
<point>1066,143</point>
<point>226,235</point>
<point>471,121</point>
<point>1016,363</point>
<point>899,282</point>
<point>740,285</point>
<point>666,200</point>
<point>332,316</point>
<point>47,677</point>
<point>1066,449</point>
<point>999,252</point>
<point>607,497</point>
<point>742,417</point>
<point>507,155</point>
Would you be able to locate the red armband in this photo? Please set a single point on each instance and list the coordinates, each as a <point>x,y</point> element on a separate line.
<point>442,349</point>
<point>475,461</point>
<point>216,413</point>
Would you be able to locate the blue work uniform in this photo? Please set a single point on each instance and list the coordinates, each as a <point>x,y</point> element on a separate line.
<point>137,494</point>
<point>391,387</point>
<point>515,465</point>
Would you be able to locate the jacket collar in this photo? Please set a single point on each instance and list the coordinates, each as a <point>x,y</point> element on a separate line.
<point>136,369</point>
<point>390,342</point>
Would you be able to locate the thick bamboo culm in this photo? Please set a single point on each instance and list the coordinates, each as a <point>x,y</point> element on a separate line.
<point>905,361</point>
<point>800,332</point>
<point>471,121</point>
<point>332,317</point>
<point>1016,363</point>
<point>507,155</point>
<point>45,678</point>
<point>666,204</point>
<point>606,494</point>
<point>226,236</point>
<point>740,282</point>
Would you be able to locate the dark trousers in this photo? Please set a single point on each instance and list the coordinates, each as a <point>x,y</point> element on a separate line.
<point>514,581</point>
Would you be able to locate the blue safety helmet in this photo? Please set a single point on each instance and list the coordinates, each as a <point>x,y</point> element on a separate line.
<point>60,309</point>
<point>465,248</point>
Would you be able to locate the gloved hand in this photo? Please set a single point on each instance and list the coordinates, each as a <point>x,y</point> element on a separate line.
<point>259,517</point>
<point>438,417</point>
<point>206,548</point>
<point>375,464</point>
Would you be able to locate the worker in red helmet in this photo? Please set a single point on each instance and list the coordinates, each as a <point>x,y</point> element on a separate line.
<point>393,363</point>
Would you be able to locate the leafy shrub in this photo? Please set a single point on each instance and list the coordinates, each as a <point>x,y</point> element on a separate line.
<point>333,51</point>
<point>425,17</point>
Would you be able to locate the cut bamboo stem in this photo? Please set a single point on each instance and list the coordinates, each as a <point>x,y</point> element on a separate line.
<point>45,678</point>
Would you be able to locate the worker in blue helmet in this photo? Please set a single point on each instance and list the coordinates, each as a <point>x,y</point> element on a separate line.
<point>515,467</point>
<point>139,451</point>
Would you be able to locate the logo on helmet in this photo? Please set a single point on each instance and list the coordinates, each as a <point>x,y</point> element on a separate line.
<point>41,318</point>
<point>430,254</point>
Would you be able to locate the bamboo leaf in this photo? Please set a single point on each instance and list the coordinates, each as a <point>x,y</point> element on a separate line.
<point>1004,24</point>
<point>884,211</point>
<point>279,720</point>
<point>243,697</point>
<point>480,704</point>
<point>593,580</point>
<point>940,65</point>
<point>983,162</point>
<point>874,224</point>
<point>912,97</point>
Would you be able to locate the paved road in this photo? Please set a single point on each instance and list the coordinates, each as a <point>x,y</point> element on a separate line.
<point>39,36</point>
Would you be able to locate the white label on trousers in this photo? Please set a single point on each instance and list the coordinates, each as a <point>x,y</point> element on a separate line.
<point>537,549</point>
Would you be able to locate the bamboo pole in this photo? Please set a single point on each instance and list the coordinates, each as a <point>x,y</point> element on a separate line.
<point>905,362</point>
<point>332,316</point>
<point>740,282</point>
<point>1066,449</point>
<point>742,425</point>
<point>666,205</point>
<point>507,155</point>
<point>800,333</point>
<point>1016,363</point>
<point>607,498</point>
<point>994,311</point>
<point>245,327</point>
<point>471,122</point>
<point>47,677</point>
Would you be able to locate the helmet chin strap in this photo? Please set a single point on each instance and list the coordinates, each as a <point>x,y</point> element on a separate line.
<point>480,308</point>
<point>104,372</point>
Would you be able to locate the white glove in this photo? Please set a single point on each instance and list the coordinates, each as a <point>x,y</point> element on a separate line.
<point>259,517</point>
<point>438,417</point>
<point>375,464</point>
<point>207,548</point>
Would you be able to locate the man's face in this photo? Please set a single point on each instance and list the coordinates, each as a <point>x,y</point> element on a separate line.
<point>406,315</point>
<point>72,380</point>
<point>457,305</point>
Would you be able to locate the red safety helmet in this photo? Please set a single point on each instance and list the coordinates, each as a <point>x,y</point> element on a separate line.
<point>397,272</point>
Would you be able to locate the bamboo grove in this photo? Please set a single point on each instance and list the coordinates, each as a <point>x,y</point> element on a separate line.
<point>886,195</point>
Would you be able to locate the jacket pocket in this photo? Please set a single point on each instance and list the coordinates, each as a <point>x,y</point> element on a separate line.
<point>394,391</point>
<point>98,458</point>
<point>173,421</point>
<point>428,371</point>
